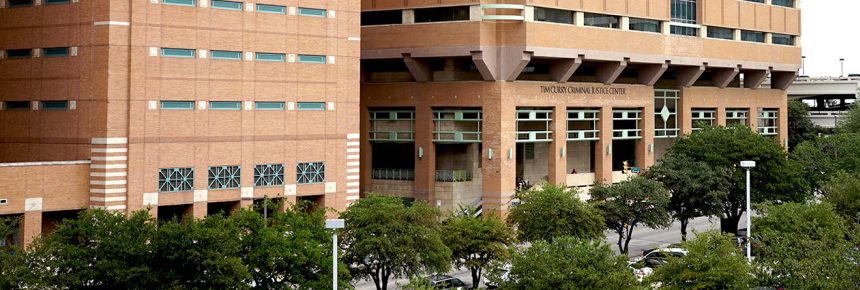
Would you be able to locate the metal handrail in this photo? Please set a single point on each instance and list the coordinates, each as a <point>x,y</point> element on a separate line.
<point>393,174</point>
<point>453,175</point>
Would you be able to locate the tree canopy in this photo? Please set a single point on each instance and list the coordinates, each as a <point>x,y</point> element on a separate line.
<point>712,262</point>
<point>696,188</point>
<point>850,122</point>
<point>475,241</point>
<point>383,238</point>
<point>773,179</point>
<point>843,193</point>
<point>800,127</point>
<point>569,263</point>
<point>554,211</point>
<point>822,158</point>
<point>629,203</point>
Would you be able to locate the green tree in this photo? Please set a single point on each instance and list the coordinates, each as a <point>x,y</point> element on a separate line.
<point>200,254</point>
<point>554,211</point>
<point>475,241</point>
<point>696,188</point>
<point>800,127</point>
<point>773,179</point>
<point>629,203</point>
<point>843,193</point>
<point>822,158</point>
<point>804,246</point>
<point>712,262</point>
<point>98,250</point>
<point>384,238</point>
<point>850,122</point>
<point>287,250</point>
<point>568,263</point>
<point>14,272</point>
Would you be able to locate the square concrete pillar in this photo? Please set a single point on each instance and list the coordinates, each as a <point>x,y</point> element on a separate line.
<point>603,152</point>
<point>645,146</point>
<point>499,170</point>
<point>556,157</point>
<point>425,155</point>
<point>31,227</point>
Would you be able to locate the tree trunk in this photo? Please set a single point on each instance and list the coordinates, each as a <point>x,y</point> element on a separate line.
<point>627,241</point>
<point>476,277</point>
<point>620,239</point>
<point>376,280</point>
<point>729,224</point>
<point>684,223</point>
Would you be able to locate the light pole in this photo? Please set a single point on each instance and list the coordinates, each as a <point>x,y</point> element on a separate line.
<point>841,67</point>
<point>803,65</point>
<point>334,225</point>
<point>747,165</point>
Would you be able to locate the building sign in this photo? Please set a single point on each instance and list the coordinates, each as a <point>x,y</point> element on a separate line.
<point>582,90</point>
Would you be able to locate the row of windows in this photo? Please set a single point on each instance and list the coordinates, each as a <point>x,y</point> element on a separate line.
<point>230,176</point>
<point>421,15</point>
<point>236,105</point>
<point>42,105</point>
<point>237,55</point>
<point>27,3</point>
<point>784,3</point>
<point>239,6</point>
<point>30,52</point>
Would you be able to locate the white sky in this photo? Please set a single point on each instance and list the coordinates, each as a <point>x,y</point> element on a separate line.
<point>829,32</point>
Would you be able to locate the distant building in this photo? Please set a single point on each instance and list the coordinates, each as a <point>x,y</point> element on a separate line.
<point>828,98</point>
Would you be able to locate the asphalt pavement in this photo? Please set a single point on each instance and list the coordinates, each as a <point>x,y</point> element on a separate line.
<point>643,238</point>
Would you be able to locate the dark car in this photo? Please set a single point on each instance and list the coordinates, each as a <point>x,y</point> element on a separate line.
<point>447,282</point>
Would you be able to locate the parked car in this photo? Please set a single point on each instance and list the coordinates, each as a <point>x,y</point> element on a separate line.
<point>505,270</point>
<point>645,265</point>
<point>447,282</point>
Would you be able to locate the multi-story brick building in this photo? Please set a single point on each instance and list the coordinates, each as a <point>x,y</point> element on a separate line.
<point>180,106</point>
<point>462,100</point>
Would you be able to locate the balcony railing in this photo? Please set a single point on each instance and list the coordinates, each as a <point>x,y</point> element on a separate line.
<point>393,174</point>
<point>453,175</point>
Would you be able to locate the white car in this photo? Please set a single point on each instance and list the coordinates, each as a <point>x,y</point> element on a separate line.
<point>643,266</point>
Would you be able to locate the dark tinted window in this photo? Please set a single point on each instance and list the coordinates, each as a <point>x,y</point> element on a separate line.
<point>648,25</point>
<point>782,39</point>
<point>721,33</point>
<point>18,105</point>
<point>753,36</point>
<point>786,3</point>
<point>553,15</point>
<point>601,20</point>
<point>20,3</point>
<point>442,14</point>
<point>19,53</point>
<point>381,17</point>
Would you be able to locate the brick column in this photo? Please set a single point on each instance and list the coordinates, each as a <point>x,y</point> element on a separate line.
<point>752,118</point>
<point>425,155</point>
<point>108,173</point>
<point>685,111</point>
<point>557,162</point>
<point>782,122</point>
<point>499,172</point>
<point>603,157</point>
<point>31,223</point>
<point>721,116</point>
<point>199,209</point>
<point>645,146</point>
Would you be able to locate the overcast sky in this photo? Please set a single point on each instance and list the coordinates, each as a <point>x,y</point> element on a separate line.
<point>830,32</point>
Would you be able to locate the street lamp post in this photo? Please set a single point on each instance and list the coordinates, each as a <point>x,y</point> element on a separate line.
<point>841,67</point>
<point>334,224</point>
<point>803,65</point>
<point>747,165</point>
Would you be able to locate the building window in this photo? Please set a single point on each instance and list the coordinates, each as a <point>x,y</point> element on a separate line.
<point>273,57</point>
<point>554,15</point>
<point>392,126</point>
<point>19,53</point>
<point>311,12</point>
<point>756,1</point>
<point>782,39</point>
<point>269,106</point>
<point>626,124</point>
<point>177,105</point>
<point>274,9</point>
<point>767,121</point>
<point>268,174</point>
<point>534,125</point>
<point>56,51</point>
<point>783,3</point>
<point>666,113</point>
<point>646,25</point>
<point>752,36</point>
<point>20,3</point>
<point>175,179</point>
<point>54,105</point>
<point>684,11</point>
<point>178,52</point>
<point>310,172</point>
<point>441,14</point>
<point>311,106</point>
<point>224,177</point>
<point>683,30</point>
<point>381,17</point>
<point>49,2</point>
<point>601,20</point>
<point>736,117</point>
<point>721,33</point>
<point>457,126</point>
<point>226,55</point>
<point>226,5</point>
<point>703,118</point>
<point>17,105</point>
<point>225,106</point>
<point>305,58</point>
<point>180,2</point>
<point>582,125</point>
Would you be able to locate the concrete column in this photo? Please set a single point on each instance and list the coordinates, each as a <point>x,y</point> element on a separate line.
<point>579,18</point>
<point>557,162</point>
<point>685,111</point>
<point>645,146</point>
<point>199,209</point>
<point>31,227</point>
<point>499,171</point>
<point>425,155</point>
<point>721,116</point>
<point>603,154</point>
<point>624,23</point>
<point>408,16</point>
<point>783,122</point>
<point>703,31</point>
<point>752,118</point>
<point>366,156</point>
